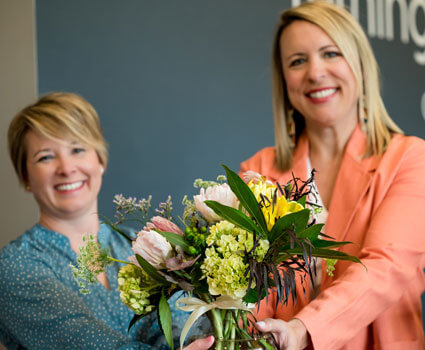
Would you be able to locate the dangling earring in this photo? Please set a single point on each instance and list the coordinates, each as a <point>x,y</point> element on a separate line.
<point>363,118</point>
<point>291,124</point>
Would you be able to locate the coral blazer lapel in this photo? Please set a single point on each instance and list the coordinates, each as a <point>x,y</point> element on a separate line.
<point>353,181</point>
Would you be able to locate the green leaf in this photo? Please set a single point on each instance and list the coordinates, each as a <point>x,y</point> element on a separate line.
<point>175,239</point>
<point>150,270</point>
<point>134,320</point>
<point>312,232</point>
<point>298,219</point>
<point>326,253</point>
<point>164,314</point>
<point>324,243</point>
<point>318,243</point>
<point>302,200</point>
<point>247,199</point>
<point>233,215</point>
<point>252,296</point>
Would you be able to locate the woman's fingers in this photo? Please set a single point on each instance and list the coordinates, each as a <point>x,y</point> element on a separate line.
<point>270,325</point>
<point>290,335</point>
<point>201,344</point>
<point>276,327</point>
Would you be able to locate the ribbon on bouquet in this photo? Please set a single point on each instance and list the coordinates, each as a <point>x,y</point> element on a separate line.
<point>199,307</point>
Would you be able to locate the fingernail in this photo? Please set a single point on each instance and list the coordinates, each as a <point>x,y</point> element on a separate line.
<point>260,324</point>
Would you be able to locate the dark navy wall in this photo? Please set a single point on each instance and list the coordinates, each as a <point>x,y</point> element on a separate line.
<point>182,86</point>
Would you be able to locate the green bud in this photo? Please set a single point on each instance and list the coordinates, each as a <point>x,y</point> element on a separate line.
<point>190,236</point>
<point>192,250</point>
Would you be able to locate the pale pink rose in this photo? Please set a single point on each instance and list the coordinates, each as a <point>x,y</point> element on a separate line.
<point>250,175</point>
<point>162,224</point>
<point>152,247</point>
<point>219,193</point>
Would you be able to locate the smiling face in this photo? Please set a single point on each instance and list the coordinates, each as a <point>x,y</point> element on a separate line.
<point>319,82</point>
<point>65,177</point>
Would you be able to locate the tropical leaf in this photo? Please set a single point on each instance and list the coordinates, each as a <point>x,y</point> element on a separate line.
<point>326,253</point>
<point>251,296</point>
<point>247,199</point>
<point>164,316</point>
<point>302,200</point>
<point>233,215</point>
<point>150,270</point>
<point>319,243</point>
<point>324,243</point>
<point>175,239</point>
<point>311,232</point>
<point>134,320</point>
<point>297,221</point>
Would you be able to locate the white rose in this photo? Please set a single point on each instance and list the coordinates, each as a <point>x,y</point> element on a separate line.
<point>219,193</point>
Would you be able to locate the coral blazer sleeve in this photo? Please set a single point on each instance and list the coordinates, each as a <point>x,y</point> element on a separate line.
<point>378,204</point>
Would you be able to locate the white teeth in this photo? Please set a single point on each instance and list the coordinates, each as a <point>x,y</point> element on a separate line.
<point>69,187</point>
<point>322,93</point>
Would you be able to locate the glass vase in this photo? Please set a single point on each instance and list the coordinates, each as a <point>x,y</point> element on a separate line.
<point>260,342</point>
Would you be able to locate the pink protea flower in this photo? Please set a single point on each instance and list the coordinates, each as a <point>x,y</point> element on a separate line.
<point>162,224</point>
<point>179,262</point>
<point>219,193</point>
<point>152,247</point>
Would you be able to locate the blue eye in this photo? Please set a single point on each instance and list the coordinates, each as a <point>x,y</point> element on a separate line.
<point>331,54</point>
<point>297,62</point>
<point>44,158</point>
<point>77,150</point>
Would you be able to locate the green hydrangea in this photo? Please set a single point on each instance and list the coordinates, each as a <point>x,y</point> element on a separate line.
<point>135,288</point>
<point>225,263</point>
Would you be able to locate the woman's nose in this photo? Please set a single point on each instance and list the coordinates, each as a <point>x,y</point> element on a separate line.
<point>316,69</point>
<point>66,165</point>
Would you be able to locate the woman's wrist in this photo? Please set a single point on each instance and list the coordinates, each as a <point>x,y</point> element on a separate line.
<point>300,332</point>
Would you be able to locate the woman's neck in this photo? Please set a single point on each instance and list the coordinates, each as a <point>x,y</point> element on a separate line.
<point>328,143</point>
<point>326,151</point>
<point>73,228</point>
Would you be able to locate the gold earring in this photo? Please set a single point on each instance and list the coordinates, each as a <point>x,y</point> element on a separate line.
<point>28,188</point>
<point>291,124</point>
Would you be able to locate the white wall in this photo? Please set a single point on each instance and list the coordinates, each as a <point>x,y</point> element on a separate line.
<point>18,87</point>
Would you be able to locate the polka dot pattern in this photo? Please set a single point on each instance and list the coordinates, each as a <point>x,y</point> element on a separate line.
<point>41,307</point>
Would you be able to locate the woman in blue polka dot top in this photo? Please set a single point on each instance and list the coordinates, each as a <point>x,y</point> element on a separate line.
<point>59,154</point>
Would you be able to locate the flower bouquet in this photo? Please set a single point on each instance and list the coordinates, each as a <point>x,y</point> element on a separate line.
<point>239,241</point>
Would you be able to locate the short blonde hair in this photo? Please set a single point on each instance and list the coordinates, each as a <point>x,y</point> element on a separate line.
<point>349,36</point>
<point>57,116</point>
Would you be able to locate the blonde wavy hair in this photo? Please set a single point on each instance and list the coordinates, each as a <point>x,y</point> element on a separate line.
<point>349,36</point>
<point>58,116</point>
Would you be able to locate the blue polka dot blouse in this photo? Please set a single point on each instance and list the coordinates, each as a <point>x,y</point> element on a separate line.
<point>41,306</point>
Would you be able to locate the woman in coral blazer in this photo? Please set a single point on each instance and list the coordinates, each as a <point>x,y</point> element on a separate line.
<point>371,180</point>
